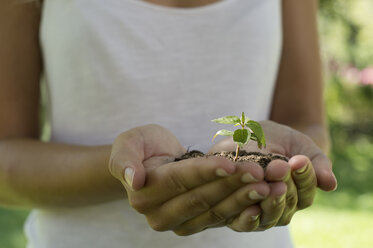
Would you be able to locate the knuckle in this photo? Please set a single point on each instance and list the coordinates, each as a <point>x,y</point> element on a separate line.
<point>231,184</point>
<point>313,182</point>
<point>305,203</point>
<point>229,221</point>
<point>140,204</point>
<point>182,232</point>
<point>197,202</point>
<point>286,220</point>
<point>291,201</point>
<point>306,197</point>
<point>174,181</point>
<point>216,216</point>
<point>158,225</point>
<point>268,225</point>
<point>244,225</point>
<point>308,183</point>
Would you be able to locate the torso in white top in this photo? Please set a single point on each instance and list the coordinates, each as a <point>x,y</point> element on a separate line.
<point>115,64</point>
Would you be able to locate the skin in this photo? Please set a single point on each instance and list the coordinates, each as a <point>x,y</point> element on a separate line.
<point>195,200</point>
<point>49,175</point>
<point>297,74</point>
<point>194,195</point>
<point>299,188</point>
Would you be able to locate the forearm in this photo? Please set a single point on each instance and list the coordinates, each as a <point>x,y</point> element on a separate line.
<point>39,174</point>
<point>298,98</point>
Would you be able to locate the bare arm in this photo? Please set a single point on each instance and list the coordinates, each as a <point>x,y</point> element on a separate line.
<point>34,173</point>
<point>298,96</point>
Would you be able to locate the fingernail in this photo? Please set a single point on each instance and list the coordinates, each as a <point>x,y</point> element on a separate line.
<point>253,195</point>
<point>279,199</point>
<point>221,172</point>
<point>128,176</point>
<point>254,218</point>
<point>248,178</point>
<point>336,182</point>
<point>302,169</point>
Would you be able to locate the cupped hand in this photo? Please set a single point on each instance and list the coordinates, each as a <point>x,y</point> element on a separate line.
<point>186,196</point>
<point>307,168</point>
<point>290,142</point>
<point>192,195</point>
<point>136,145</point>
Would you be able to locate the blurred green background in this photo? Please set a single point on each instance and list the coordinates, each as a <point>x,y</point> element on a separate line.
<point>343,218</point>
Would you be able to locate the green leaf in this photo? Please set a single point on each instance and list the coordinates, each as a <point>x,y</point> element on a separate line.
<point>241,136</point>
<point>231,119</point>
<point>223,132</point>
<point>257,132</point>
<point>243,117</point>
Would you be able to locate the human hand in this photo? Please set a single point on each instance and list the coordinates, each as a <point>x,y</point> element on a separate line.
<point>186,196</point>
<point>192,195</point>
<point>300,187</point>
<point>136,145</point>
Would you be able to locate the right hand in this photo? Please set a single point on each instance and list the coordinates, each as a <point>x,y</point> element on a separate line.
<point>186,196</point>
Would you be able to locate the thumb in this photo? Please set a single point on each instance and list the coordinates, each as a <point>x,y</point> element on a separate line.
<point>322,165</point>
<point>133,147</point>
<point>130,172</point>
<point>126,160</point>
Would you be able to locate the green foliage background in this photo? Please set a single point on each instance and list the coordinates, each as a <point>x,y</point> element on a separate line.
<point>343,218</point>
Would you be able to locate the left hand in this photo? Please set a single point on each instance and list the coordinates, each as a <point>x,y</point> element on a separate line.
<point>308,166</point>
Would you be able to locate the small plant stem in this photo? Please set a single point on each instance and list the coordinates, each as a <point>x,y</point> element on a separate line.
<point>237,151</point>
<point>238,147</point>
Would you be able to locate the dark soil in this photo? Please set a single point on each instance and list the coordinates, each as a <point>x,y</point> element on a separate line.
<point>257,157</point>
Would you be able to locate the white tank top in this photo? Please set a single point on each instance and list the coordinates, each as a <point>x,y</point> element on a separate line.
<point>116,64</point>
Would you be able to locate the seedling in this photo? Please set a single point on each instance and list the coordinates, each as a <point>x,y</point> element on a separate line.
<point>250,130</point>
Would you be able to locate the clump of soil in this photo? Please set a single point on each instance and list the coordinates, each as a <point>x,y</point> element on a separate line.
<point>257,157</point>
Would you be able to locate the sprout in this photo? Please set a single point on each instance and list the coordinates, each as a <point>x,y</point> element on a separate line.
<point>250,130</point>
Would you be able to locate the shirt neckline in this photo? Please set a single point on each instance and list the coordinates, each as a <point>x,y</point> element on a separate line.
<point>180,10</point>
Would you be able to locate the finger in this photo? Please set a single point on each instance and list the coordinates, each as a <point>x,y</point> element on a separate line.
<point>179,177</point>
<point>131,148</point>
<point>323,167</point>
<point>303,144</point>
<point>247,221</point>
<point>129,171</point>
<point>172,179</point>
<point>305,180</point>
<point>190,204</point>
<point>291,202</point>
<point>229,207</point>
<point>279,170</point>
<point>326,179</point>
<point>273,206</point>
